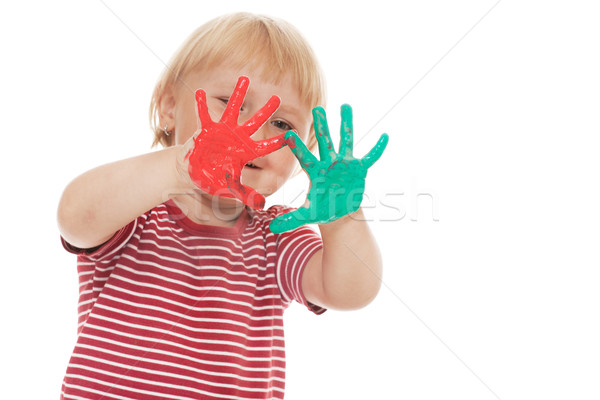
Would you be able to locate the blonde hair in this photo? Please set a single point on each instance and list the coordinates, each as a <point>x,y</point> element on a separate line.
<point>266,44</point>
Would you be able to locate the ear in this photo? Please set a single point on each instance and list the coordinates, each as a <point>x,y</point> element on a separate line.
<point>166,108</point>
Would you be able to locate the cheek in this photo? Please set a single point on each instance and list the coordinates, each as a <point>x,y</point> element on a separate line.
<point>285,162</point>
<point>215,109</point>
<point>281,164</point>
<point>186,125</point>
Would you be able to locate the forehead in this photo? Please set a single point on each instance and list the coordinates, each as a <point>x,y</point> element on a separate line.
<point>221,82</point>
<point>259,54</point>
<point>223,78</point>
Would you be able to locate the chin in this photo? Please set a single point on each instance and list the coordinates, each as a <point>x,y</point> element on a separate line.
<point>257,184</point>
<point>252,176</point>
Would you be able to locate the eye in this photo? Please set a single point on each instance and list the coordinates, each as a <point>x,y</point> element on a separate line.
<point>225,100</point>
<point>279,124</point>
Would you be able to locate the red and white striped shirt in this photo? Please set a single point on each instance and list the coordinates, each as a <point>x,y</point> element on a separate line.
<point>171,309</point>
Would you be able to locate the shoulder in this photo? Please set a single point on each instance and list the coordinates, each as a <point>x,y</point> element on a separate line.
<point>154,219</point>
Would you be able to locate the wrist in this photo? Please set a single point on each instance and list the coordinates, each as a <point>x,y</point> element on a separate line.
<point>181,177</point>
<point>343,222</point>
<point>177,179</point>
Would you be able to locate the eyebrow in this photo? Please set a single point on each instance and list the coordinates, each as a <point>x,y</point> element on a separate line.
<point>288,110</point>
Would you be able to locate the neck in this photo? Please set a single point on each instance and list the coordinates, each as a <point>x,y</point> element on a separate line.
<point>206,209</point>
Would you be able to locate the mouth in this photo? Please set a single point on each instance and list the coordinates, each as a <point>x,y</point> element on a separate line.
<point>251,165</point>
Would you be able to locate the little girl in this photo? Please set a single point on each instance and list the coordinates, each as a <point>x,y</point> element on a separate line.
<point>183,276</point>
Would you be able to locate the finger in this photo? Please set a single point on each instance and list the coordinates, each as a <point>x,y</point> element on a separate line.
<point>264,147</point>
<point>262,115</point>
<point>307,160</point>
<point>346,132</point>
<point>376,152</point>
<point>202,107</point>
<point>290,221</point>
<point>232,111</point>
<point>326,150</point>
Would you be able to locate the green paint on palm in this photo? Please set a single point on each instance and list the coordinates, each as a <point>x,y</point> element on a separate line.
<point>337,179</point>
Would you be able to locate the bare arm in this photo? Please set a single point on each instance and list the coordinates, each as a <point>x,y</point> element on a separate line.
<point>99,202</point>
<point>346,274</point>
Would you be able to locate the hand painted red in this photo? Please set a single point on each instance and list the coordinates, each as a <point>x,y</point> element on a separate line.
<point>221,149</point>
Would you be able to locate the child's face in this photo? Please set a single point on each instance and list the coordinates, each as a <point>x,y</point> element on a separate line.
<point>271,171</point>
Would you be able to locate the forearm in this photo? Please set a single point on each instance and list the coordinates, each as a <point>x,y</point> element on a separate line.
<point>351,263</point>
<point>101,201</point>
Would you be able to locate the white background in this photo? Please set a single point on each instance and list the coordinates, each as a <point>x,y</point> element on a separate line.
<point>497,299</point>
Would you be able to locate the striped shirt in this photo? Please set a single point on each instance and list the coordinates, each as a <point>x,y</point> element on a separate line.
<point>171,309</point>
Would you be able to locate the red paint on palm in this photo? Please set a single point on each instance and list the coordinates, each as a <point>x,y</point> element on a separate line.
<point>221,149</point>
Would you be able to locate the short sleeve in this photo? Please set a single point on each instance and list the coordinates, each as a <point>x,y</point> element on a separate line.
<point>106,249</point>
<point>294,250</point>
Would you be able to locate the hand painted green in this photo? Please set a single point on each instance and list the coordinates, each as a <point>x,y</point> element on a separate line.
<point>337,180</point>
